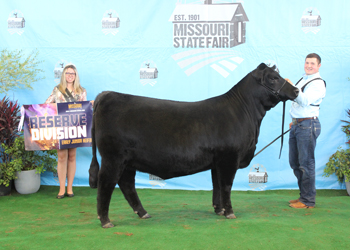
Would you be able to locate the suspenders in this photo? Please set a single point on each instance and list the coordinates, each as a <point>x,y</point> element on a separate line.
<point>302,89</point>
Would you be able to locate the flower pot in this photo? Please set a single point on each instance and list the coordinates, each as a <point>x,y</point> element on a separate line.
<point>27,182</point>
<point>4,191</point>
<point>347,184</point>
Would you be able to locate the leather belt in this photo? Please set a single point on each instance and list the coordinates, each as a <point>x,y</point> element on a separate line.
<point>297,120</point>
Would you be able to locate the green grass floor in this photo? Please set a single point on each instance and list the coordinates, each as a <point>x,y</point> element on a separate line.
<point>180,220</point>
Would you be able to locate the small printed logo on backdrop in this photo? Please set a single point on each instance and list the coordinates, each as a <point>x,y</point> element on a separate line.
<point>110,22</point>
<point>148,73</point>
<point>257,177</point>
<point>208,30</point>
<point>59,66</point>
<point>16,22</point>
<point>156,181</point>
<point>311,20</point>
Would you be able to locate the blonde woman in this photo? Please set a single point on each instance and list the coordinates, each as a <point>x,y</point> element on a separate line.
<point>68,90</point>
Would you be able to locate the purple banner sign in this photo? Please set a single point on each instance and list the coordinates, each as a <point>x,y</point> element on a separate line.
<point>57,125</point>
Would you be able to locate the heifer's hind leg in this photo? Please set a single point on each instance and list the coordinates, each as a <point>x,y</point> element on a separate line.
<point>110,172</point>
<point>94,166</point>
<point>127,186</point>
<point>216,193</point>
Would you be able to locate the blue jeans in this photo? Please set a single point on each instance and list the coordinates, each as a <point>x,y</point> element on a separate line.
<point>302,144</point>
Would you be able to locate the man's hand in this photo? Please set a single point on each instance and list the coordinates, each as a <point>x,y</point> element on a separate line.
<point>288,81</point>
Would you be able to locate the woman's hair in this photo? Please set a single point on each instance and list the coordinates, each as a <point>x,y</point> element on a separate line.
<point>63,83</point>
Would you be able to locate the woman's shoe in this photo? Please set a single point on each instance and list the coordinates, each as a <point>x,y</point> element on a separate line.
<point>60,196</point>
<point>70,195</point>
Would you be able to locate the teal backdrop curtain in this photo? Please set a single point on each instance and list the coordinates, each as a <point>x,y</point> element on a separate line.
<point>189,51</point>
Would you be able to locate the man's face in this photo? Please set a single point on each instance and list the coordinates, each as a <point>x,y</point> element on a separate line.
<point>311,66</point>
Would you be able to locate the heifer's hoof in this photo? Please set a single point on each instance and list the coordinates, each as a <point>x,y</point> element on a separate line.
<point>108,225</point>
<point>230,216</point>
<point>222,212</point>
<point>146,216</point>
<point>219,210</point>
<point>93,184</point>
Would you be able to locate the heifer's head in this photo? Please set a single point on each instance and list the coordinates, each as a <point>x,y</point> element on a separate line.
<point>271,80</point>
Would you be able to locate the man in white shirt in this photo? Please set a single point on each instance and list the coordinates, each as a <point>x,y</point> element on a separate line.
<point>305,128</point>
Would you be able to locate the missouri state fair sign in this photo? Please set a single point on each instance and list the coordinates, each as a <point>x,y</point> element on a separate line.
<point>208,25</point>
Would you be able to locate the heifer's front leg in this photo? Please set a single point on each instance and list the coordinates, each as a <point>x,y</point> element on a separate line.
<point>226,176</point>
<point>107,179</point>
<point>127,186</point>
<point>219,210</point>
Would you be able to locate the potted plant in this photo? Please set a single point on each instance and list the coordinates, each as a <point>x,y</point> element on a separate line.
<point>29,165</point>
<point>339,162</point>
<point>9,119</point>
<point>18,70</point>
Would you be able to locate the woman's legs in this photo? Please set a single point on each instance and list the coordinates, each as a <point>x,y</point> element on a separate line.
<point>62,155</point>
<point>66,167</point>
<point>71,169</point>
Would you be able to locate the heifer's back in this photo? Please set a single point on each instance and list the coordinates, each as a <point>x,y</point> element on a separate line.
<point>171,139</point>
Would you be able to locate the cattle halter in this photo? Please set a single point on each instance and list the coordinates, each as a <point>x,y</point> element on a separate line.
<point>276,93</point>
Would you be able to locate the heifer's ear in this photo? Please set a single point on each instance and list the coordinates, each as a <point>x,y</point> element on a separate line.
<point>275,68</point>
<point>258,72</point>
<point>262,66</point>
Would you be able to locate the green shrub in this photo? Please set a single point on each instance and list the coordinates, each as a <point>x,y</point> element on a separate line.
<point>18,71</point>
<point>339,162</point>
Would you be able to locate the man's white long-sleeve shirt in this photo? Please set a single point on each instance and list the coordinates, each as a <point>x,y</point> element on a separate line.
<point>313,94</point>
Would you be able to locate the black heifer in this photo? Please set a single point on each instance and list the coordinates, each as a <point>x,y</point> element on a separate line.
<point>170,139</point>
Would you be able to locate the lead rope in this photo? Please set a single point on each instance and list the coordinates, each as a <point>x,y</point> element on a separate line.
<point>284,108</point>
<point>283,133</point>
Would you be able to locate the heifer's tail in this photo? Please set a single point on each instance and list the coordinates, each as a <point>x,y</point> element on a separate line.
<point>94,166</point>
